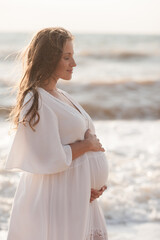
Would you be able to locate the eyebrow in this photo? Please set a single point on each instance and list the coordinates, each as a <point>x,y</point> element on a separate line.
<point>68,53</point>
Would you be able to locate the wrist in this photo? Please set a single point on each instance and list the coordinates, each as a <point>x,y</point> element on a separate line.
<point>87,145</point>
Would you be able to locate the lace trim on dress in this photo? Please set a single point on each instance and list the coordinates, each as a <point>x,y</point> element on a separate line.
<point>97,234</point>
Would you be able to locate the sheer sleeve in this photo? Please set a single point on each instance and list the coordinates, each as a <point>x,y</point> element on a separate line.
<point>40,151</point>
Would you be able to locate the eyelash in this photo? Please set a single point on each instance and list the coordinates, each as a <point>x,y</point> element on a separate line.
<point>66,58</point>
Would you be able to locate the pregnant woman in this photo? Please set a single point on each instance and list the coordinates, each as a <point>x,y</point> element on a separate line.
<point>63,164</point>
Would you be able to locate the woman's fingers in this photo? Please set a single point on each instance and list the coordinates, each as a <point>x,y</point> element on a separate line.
<point>97,193</point>
<point>103,188</point>
<point>91,199</point>
<point>94,194</point>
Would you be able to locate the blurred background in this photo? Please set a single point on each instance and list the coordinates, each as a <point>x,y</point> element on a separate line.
<point>117,81</point>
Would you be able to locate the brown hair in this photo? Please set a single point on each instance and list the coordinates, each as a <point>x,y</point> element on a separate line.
<point>40,60</point>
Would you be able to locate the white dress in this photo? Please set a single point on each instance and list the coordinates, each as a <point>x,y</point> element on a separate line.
<point>52,200</point>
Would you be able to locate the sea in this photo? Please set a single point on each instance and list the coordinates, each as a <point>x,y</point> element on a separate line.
<point>117,81</point>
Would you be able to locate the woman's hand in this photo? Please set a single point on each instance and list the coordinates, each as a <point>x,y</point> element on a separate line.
<point>96,193</point>
<point>93,142</point>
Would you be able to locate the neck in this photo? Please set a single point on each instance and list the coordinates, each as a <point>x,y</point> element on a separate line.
<point>50,87</point>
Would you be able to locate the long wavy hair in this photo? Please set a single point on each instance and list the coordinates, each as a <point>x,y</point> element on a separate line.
<point>40,59</point>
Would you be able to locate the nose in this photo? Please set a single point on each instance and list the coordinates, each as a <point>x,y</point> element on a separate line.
<point>73,63</point>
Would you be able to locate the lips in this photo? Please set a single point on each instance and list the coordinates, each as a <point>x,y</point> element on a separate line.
<point>71,71</point>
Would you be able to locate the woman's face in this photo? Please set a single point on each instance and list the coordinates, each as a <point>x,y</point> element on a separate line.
<point>65,66</point>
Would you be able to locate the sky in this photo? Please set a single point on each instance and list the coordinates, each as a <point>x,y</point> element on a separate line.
<point>87,16</point>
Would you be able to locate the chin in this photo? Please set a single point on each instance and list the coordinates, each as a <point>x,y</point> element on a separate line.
<point>67,78</point>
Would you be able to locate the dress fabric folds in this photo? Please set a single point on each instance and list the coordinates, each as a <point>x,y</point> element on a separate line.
<point>52,200</point>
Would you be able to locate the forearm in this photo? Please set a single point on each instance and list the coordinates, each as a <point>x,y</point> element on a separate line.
<point>79,148</point>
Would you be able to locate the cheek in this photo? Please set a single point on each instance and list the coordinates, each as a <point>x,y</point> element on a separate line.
<point>62,67</point>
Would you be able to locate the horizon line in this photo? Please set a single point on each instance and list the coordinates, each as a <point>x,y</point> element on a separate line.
<point>85,32</point>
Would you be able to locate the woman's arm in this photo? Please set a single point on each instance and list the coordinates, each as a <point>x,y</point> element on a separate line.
<point>79,148</point>
<point>90,143</point>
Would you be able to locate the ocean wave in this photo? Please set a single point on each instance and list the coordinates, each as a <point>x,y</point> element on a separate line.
<point>10,54</point>
<point>124,100</point>
<point>115,112</point>
<point>117,54</point>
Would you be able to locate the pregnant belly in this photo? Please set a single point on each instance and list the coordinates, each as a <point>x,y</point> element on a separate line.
<point>99,169</point>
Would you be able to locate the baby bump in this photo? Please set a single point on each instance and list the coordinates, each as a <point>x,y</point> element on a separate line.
<point>98,169</point>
